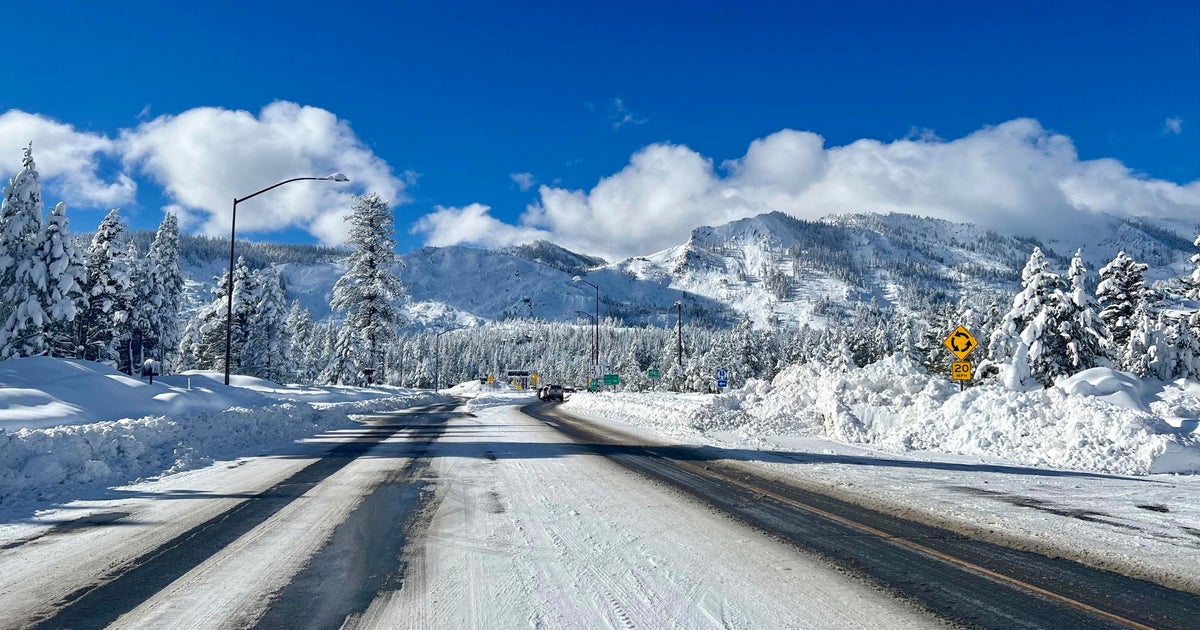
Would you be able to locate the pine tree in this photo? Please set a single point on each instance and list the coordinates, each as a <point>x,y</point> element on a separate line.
<point>934,355</point>
<point>369,291</point>
<point>65,278</point>
<point>139,328</point>
<point>245,304</point>
<point>263,355</point>
<point>22,271</point>
<point>1030,339</point>
<point>202,344</point>
<point>166,295</point>
<point>1121,292</point>
<point>1185,350</point>
<point>1191,282</point>
<point>298,341</point>
<point>1088,337</point>
<point>103,325</point>
<point>1147,352</point>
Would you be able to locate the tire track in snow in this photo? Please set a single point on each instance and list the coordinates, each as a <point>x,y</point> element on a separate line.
<point>124,588</point>
<point>977,590</point>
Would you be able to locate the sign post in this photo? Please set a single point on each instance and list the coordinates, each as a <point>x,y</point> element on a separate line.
<point>722,378</point>
<point>962,343</point>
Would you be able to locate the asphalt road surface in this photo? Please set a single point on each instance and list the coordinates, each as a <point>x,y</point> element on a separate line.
<point>966,581</point>
<point>444,518</point>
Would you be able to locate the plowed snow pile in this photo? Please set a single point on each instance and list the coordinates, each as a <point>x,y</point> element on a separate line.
<point>1099,420</point>
<point>68,425</point>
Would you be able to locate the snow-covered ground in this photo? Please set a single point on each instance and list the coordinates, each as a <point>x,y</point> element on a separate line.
<point>69,428</point>
<point>524,530</point>
<point>1077,470</point>
<point>528,531</point>
<point>1101,468</point>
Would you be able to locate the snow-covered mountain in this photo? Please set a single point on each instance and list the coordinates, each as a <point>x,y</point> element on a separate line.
<point>769,269</point>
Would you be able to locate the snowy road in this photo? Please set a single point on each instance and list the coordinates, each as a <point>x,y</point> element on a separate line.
<point>443,518</point>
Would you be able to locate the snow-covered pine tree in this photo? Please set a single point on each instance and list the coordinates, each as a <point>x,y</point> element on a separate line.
<point>65,278</point>
<point>202,344</point>
<point>264,355</point>
<point>167,294</point>
<point>1191,281</point>
<point>22,272</point>
<point>142,311</point>
<point>369,292</point>
<point>1088,340</point>
<point>245,304</point>
<point>1030,339</point>
<point>934,355</point>
<point>298,339</point>
<point>1121,293</point>
<point>1147,352</point>
<point>107,286</point>
<point>1184,349</point>
<point>336,366</point>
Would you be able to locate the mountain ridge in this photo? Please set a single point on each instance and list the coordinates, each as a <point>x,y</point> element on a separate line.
<point>771,269</point>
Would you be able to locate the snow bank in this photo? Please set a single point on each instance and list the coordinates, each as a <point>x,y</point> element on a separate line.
<point>40,392</point>
<point>67,426</point>
<point>59,461</point>
<point>486,399</point>
<point>674,415</point>
<point>1100,420</point>
<point>482,395</point>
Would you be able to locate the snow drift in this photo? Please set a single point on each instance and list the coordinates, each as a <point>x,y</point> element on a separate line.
<point>1099,420</point>
<point>68,425</point>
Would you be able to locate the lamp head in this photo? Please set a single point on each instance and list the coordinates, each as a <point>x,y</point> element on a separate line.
<point>336,177</point>
<point>576,278</point>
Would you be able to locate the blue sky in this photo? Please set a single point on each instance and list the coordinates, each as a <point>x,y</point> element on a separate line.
<point>462,112</point>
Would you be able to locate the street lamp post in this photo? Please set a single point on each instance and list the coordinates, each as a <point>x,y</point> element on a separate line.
<point>595,323</point>
<point>334,177</point>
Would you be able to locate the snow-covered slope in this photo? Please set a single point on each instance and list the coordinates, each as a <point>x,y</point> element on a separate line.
<point>769,268</point>
<point>552,255</point>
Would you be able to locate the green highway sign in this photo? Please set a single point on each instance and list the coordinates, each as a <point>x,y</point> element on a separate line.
<point>612,379</point>
<point>653,373</point>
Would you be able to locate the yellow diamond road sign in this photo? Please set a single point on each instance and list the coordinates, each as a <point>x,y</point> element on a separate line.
<point>961,343</point>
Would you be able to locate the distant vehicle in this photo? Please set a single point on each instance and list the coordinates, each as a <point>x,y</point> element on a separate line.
<point>541,392</point>
<point>554,392</point>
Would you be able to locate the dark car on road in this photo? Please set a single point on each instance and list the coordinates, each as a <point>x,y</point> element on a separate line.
<point>554,392</point>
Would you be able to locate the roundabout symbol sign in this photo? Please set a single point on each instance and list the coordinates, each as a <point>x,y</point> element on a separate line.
<point>961,343</point>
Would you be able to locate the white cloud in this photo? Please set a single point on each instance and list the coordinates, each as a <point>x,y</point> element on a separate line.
<point>473,225</point>
<point>69,161</point>
<point>1173,125</point>
<point>619,114</point>
<point>524,181</point>
<point>206,156</point>
<point>1016,176</point>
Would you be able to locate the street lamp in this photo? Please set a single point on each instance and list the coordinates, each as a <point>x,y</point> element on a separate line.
<point>437,358</point>
<point>595,323</point>
<point>333,177</point>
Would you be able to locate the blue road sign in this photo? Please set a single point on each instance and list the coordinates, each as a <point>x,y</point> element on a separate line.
<point>722,374</point>
<point>722,383</point>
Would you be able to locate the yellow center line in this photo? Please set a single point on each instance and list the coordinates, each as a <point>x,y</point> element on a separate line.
<point>918,547</point>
